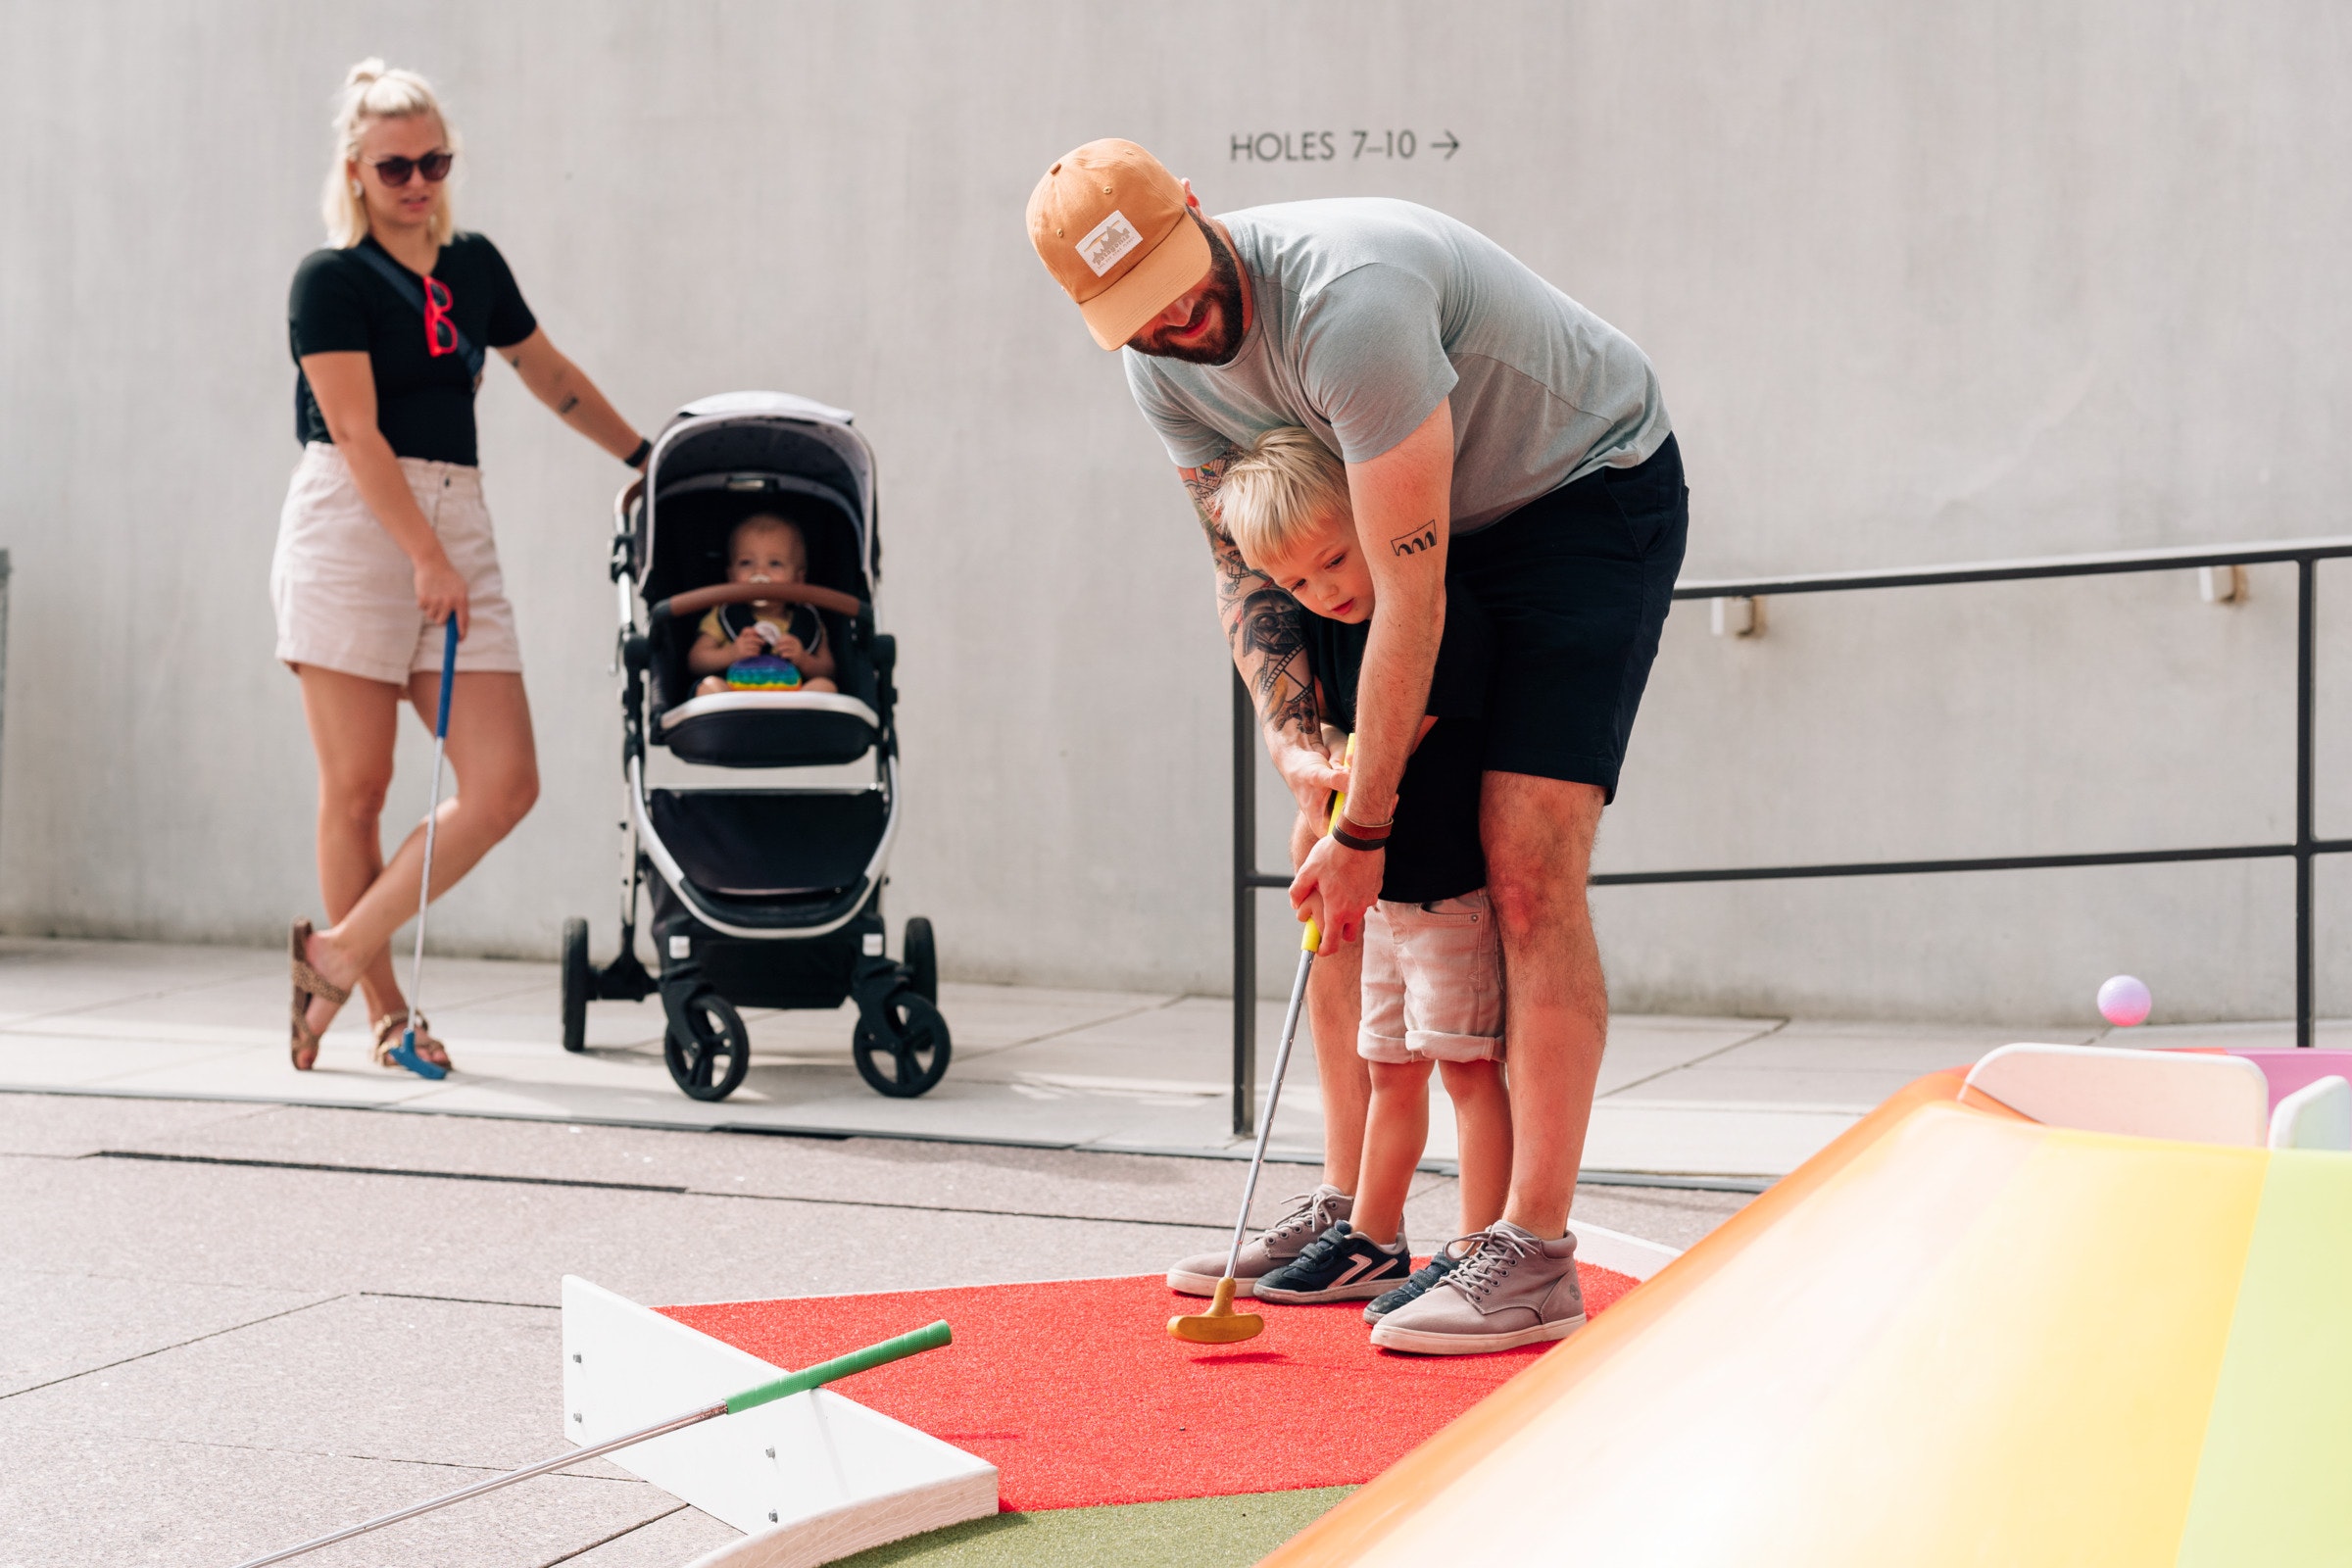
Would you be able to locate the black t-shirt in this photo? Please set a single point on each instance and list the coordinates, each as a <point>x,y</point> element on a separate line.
<point>1433,852</point>
<point>424,402</point>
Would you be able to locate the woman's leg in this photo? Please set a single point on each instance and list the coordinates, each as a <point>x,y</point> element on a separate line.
<point>496,781</point>
<point>1394,1133</point>
<point>353,722</point>
<point>1481,1119</point>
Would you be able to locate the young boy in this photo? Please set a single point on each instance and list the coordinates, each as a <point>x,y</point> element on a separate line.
<point>781,646</point>
<point>1433,965</point>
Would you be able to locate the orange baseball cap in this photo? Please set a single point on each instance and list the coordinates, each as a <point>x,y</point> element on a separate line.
<point>1109,223</point>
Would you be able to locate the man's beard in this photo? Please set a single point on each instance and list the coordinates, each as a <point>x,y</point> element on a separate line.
<point>1225,295</point>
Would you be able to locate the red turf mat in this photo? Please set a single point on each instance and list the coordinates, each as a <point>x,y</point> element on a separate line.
<point>1077,1395</point>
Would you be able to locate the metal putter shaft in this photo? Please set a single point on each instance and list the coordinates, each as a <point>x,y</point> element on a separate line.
<point>873,1356</point>
<point>1221,1324</point>
<point>406,1051</point>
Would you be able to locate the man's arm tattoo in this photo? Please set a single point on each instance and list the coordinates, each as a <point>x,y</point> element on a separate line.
<point>570,402</point>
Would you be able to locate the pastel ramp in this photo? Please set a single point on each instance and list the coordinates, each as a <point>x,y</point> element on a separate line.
<point>1957,1336</point>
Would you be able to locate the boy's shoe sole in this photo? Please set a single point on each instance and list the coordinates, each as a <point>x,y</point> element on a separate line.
<point>1389,1337</point>
<point>1187,1284</point>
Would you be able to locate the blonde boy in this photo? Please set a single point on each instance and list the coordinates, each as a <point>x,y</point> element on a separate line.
<point>1433,965</point>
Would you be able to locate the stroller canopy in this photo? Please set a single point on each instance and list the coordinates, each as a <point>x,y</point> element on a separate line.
<point>745,446</point>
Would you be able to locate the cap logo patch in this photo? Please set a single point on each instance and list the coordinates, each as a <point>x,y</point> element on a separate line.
<point>1105,245</point>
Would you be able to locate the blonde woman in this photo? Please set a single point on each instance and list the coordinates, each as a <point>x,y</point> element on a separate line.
<point>385,534</point>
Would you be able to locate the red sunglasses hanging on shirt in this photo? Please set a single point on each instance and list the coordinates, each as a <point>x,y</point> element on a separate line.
<point>440,330</point>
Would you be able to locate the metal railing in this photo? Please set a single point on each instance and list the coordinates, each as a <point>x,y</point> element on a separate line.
<point>2305,846</point>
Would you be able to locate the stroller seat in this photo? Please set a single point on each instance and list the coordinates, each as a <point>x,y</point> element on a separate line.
<point>770,729</point>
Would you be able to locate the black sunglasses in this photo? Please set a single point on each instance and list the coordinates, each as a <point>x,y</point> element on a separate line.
<point>434,167</point>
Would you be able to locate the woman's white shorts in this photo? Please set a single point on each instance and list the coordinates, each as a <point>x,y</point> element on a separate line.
<point>346,595</point>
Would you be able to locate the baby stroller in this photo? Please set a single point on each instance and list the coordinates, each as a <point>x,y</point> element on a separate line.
<point>767,897</point>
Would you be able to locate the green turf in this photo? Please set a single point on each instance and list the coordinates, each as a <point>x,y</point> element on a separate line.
<point>1190,1533</point>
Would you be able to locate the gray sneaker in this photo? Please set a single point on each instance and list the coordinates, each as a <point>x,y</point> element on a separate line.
<point>1512,1289</point>
<point>1314,1214</point>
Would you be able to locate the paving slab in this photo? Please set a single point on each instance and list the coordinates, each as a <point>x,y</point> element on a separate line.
<point>296,1230</point>
<point>668,1541</point>
<point>1132,1072</point>
<point>63,1325</point>
<point>863,1170</point>
<point>69,1495</point>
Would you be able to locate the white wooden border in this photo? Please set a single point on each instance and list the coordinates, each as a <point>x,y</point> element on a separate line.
<point>2194,1097</point>
<point>1619,1252</point>
<point>808,1479</point>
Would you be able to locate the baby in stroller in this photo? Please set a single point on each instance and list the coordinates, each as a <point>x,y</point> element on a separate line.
<point>765,645</point>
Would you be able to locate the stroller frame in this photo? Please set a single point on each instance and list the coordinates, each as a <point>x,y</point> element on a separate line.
<point>817,937</point>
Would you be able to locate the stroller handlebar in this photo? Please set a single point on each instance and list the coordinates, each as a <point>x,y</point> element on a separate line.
<point>697,599</point>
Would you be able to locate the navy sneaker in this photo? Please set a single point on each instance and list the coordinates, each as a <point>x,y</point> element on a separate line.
<point>1338,1265</point>
<point>1418,1281</point>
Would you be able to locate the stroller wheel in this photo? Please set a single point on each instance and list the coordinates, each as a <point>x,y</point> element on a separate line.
<point>922,958</point>
<point>914,1054</point>
<point>712,1064</point>
<point>577,980</point>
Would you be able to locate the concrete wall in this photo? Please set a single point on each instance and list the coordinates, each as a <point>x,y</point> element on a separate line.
<point>1923,282</point>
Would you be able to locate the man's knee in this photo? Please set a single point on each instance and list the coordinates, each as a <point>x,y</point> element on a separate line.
<point>1538,837</point>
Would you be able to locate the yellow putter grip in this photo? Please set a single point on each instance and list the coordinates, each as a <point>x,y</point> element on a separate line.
<point>1312,940</point>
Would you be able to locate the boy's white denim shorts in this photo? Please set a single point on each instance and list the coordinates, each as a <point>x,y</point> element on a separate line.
<point>346,595</point>
<point>1433,982</point>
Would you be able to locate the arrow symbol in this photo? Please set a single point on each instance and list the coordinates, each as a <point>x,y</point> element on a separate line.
<point>1452,144</point>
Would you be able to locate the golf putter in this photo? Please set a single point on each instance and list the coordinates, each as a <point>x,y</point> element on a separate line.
<point>1221,1324</point>
<point>406,1051</point>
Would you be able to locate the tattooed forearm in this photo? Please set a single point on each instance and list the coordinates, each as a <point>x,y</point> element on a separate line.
<point>1264,624</point>
<point>571,401</point>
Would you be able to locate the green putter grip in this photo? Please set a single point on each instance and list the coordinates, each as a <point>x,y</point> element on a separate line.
<point>841,1366</point>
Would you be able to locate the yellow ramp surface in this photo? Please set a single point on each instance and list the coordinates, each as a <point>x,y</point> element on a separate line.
<point>1965,1339</point>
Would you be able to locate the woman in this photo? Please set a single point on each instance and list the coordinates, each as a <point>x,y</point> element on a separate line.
<point>384,535</point>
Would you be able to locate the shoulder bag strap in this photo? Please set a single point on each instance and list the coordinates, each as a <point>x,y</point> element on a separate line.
<point>407,286</point>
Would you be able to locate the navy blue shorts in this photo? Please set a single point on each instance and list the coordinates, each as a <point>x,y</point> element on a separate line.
<point>1576,584</point>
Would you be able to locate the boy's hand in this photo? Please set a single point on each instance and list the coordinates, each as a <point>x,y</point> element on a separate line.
<point>749,643</point>
<point>1310,771</point>
<point>789,647</point>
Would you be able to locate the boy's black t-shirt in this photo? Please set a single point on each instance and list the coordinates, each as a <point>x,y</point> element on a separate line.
<point>1433,852</point>
<point>424,402</point>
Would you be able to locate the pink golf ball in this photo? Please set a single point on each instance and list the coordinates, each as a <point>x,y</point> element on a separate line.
<point>2125,1000</point>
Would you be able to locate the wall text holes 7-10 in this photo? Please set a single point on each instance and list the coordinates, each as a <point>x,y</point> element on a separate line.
<point>1332,146</point>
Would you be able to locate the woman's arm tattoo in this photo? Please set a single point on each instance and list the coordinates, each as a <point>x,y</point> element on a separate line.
<point>1265,625</point>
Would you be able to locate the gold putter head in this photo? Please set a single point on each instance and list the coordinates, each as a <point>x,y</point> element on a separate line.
<point>1221,1324</point>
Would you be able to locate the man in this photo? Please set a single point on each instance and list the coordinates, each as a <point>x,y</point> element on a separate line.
<point>1493,431</point>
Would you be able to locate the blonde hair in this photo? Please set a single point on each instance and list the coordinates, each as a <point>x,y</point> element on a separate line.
<point>371,92</point>
<point>1275,495</point>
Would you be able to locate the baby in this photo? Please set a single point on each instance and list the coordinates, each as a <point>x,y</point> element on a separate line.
<point>766,645</point>
<point>1432,967</point>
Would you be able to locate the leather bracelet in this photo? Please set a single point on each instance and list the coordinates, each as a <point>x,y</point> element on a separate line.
<point>1378,829</point>
<point>1340,834</point>
<point>636,458</point>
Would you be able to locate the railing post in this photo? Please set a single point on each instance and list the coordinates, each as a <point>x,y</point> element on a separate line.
<point>2307,600</point>
<point>1244,910</point>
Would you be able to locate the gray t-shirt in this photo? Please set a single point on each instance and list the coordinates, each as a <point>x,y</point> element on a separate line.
<point>1370,312</point>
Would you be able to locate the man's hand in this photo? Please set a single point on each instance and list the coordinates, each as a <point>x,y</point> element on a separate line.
<point>1335,887</point>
